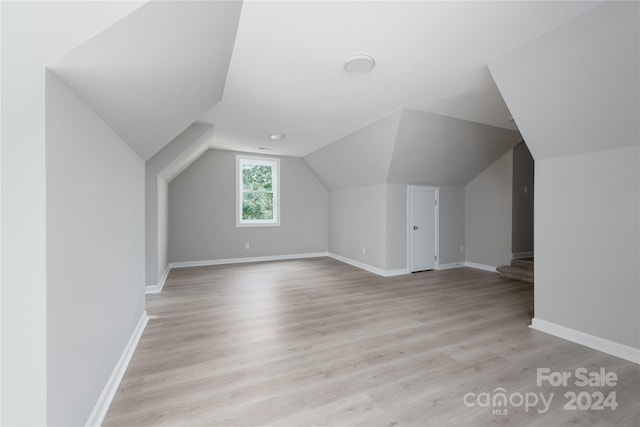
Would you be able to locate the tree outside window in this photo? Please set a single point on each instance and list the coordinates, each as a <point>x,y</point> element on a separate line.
<point>257,191</point>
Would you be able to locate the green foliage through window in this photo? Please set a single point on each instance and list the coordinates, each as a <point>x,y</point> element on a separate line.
<point>258,190</point>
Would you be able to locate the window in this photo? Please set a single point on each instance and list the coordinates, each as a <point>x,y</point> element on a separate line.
<point>257,191</point>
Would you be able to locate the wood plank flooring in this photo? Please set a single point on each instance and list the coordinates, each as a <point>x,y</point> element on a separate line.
<point>318,342</point>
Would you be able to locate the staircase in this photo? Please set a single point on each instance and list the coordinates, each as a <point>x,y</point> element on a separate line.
<point>518,270</point>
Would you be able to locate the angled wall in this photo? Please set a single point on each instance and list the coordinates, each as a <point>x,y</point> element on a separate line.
<point>95,251</point>
<point>179,52</point>
<point>574,93</point>
<point>160,169</point>
<point>368,173</point>
<point>488,199</point>
<point>24,253</point>
<point>360,159</point>
<point>439,150</point>
<point>575,89</point>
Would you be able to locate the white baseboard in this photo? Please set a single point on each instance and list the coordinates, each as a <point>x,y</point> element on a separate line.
<point>156,289</point>
<point>477,266</point>
<point>369,268</point>
<point>396,272</point>
<point>616,349</point>
<point>109,391</point>
<point>205,263</point>
<point>450,265</point>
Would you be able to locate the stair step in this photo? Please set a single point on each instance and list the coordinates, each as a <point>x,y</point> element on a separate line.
<point>517,277</point>
<point>516,273</point>
<point>527,265</point>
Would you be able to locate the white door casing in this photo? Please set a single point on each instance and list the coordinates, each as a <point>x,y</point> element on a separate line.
<point>422,237</point>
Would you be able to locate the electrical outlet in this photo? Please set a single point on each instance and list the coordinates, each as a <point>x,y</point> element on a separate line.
<point>247,245</point>
<point>461,248</point>
<point>364,250</point>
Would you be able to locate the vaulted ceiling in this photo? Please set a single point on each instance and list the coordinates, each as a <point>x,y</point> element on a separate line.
<point>256,68</point>
<point>286,73</point>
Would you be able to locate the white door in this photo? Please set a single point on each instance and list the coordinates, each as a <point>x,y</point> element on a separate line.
<point>422,228</point>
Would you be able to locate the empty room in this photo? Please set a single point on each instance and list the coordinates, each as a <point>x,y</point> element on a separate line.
<point>340,213</point>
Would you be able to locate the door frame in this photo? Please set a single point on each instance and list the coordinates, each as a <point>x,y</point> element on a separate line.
<point>437,225</point>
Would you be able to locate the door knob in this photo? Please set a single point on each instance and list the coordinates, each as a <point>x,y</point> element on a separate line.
<point>415,227</point>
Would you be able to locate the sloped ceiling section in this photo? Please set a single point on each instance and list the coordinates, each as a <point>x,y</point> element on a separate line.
<point>150,75</point>
<point>440,150</point>
<point>287,76</point>
<point>576,88</point>
<point>359,159</point>
<point>181,151</point>
<point>183,159</point>
<point>411,147</point>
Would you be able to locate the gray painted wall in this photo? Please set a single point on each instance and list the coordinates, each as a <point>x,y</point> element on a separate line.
<point>163,228</point>
<point>378,162</point>
<point>359,159</point>
<point>586,199</point>
<point>396,227</point>
<point>383,229</point>
<point>452,224</point>
<point>23,284</point>
<point>569,90</point>
<point>411,147</point>
<point>95,253</point>
<point>177,56</point>
<point>159,170</point>
<point>488,214</point>
<point>522,200</point>
<point>357,219</point>
<point>202,223</point>
<point>444,150</point>
<point>587,238</point>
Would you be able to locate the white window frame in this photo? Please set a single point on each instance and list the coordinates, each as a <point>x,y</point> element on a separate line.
<point>274,162</point>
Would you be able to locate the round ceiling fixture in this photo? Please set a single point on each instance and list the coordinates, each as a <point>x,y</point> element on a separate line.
<point>277,136</point>
<point>359,64</point>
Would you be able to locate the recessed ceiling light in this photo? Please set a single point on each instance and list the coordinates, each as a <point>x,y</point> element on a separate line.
<point>277,136</point>
<point>265,149</point>
<point>359,64</point>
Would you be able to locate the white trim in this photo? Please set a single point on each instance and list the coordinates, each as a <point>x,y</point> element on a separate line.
<point>519,255</point>
<point>204,263</point>
<point>369,268</point>
<point>451,265</point>
<point>274,163</point>
<point>615,349</point>
<point>156,289</point>
<point>436,190</point>
<point>396,272</point>
<point>477,266</point>
<point>104,401</point>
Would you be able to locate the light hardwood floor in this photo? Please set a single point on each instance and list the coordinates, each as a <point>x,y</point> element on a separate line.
<point>318,342</point>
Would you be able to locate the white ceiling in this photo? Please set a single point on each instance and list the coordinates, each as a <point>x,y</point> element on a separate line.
<point>151,74</point>
<point>286,72</point>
